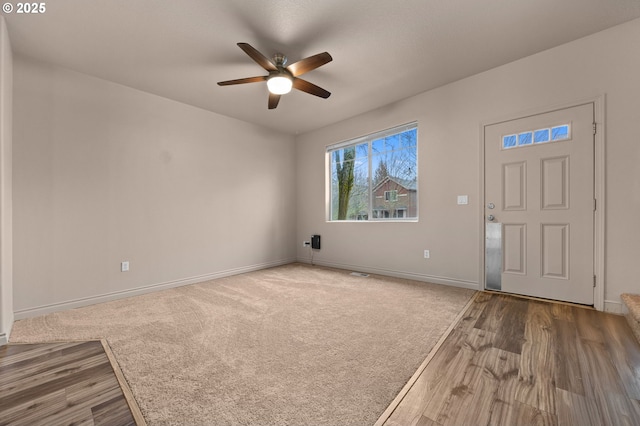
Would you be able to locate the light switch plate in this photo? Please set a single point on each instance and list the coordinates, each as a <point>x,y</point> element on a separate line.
<point>463,199</point>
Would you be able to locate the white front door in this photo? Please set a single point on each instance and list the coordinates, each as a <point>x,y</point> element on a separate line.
<point>539,205</point>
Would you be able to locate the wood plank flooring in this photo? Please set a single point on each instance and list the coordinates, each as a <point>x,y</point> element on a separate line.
<point>515,361</point>
<point>60,383</point>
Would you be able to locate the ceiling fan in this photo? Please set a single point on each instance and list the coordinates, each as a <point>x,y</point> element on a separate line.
<point>283,77</point>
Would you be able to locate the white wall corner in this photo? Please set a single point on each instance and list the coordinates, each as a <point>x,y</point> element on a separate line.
<point>6,185</point>
<point>5,335</point>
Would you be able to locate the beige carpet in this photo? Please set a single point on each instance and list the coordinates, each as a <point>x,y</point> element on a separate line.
<point>293,345</point>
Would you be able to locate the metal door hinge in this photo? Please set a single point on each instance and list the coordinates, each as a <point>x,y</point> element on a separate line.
<point>594,281</point>
<point>595,204</point>
<point>595,128</point>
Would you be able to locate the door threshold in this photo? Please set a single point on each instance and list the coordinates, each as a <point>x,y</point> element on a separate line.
<point>541,299</point>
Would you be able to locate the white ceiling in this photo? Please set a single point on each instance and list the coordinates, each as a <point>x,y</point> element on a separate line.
<point>383,50</point>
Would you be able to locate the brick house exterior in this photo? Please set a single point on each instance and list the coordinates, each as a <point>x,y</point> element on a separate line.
<point>395,198</point>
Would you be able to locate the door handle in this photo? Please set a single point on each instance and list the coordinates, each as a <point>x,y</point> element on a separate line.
<point>491,218</point>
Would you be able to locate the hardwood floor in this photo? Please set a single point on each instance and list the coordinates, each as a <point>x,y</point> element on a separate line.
<point>60,383</point>
<point>515,361</point>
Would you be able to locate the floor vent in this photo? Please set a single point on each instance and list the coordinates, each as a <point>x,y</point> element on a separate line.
<point>359,274</point>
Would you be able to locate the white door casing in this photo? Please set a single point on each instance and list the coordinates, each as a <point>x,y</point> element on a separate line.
<point>542,196</point>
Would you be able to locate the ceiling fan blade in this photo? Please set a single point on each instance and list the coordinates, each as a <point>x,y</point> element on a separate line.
<point>273,100</point>
<point>242,81</point>
<point>311,88</point>
<point>309,64</point>
<point>258,57</point>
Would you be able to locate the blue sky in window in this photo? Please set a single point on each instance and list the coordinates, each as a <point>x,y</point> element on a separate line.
<point>525,138</point>
<point>399,152</point>
<point>509,141</point>
<point>541,135</point>
<point>560,132</point>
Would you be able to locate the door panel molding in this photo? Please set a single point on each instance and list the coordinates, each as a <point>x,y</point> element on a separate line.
<point>554,172</point>
<point>554,246</point>
<point>514,184</point>
<point>515,253</point>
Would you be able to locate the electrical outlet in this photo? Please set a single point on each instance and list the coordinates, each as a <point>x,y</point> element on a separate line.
<point>427,255</point>
<point>124,266</point>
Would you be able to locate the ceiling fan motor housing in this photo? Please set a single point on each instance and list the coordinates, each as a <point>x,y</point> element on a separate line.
<point>279,59</point>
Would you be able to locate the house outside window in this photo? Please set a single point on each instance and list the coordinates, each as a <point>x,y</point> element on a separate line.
<point>375,177</point>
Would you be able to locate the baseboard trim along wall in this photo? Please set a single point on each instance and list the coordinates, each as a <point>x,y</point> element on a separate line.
<point>610,306</point>
<point>78,303</point>
<point>472,285</point>
<point>3,339</point>
<point>614,307</point>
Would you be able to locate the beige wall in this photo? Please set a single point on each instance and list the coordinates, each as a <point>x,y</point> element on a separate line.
<point>449,120</point>
<point>104,173</point>
<point>6,232</point>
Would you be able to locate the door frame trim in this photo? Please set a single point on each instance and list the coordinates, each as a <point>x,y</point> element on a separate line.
<point>599,188</point>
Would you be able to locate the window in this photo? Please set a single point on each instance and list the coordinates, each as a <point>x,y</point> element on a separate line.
<point>375,177</point>
<point>509,141</point>
<point>560,132</point>
<point>541,135</point>
<point>391,196</point>
<point>553,134</point>
<point>524,138</point>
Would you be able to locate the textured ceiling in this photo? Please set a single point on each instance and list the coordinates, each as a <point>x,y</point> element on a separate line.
<point>383,50</point>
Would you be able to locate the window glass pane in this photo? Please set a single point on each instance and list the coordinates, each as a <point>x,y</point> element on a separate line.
<point>392,142</point>
<point>538,136</point>
<point>541,135</point>
<point>525,138</point>
<point>349,182</point>
<point>377,146</point>
<point>376,178</point>
<point>560,132</point>
<point>508,141</point>
<point>394,180</point>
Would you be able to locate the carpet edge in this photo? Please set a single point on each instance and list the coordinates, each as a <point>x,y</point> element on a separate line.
<point>124,385</point>
<point>403,392</point>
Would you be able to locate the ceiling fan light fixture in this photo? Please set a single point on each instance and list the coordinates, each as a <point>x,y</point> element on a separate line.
<point>282,79</point>
<point>279,84</point>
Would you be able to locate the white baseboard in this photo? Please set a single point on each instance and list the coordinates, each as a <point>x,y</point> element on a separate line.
<point>472,285</point>
<point>78,303</point>
<point>3,339</point>
<point>614,307</point>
